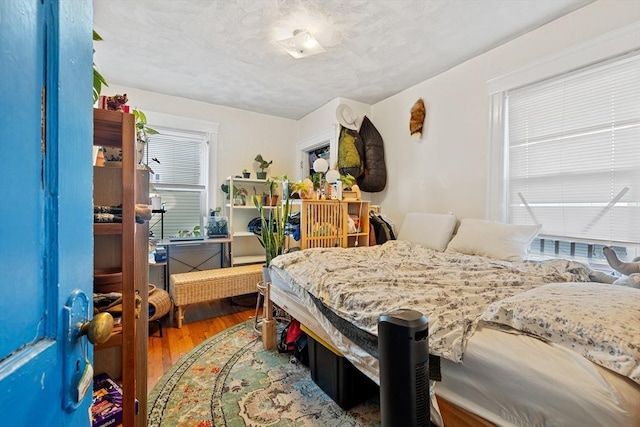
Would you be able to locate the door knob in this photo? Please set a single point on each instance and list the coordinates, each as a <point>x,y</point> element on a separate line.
<point>98,329</point>
<point>77,366</point>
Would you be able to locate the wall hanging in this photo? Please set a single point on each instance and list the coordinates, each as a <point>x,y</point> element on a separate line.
<point>418,113</point>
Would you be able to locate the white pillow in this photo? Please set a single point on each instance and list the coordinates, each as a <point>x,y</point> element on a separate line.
<point>430,230</point>
<point>492,239</point>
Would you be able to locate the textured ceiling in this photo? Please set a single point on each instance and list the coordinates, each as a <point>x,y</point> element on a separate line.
<point>224,52</point>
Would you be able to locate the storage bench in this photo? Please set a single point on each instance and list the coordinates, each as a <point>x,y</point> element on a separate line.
<point>208,285</point>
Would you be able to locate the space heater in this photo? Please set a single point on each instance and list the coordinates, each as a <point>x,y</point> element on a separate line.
<point>403,356</point>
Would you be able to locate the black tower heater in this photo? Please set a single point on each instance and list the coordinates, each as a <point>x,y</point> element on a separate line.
<point>403,351</point>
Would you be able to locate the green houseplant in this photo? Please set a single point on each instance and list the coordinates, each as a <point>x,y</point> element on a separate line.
<point>142,130</point>
<point>98,79</point>
<point>273,223</point>
<point>263,165</point>
<point>239,194</point>
<point>190,233</point>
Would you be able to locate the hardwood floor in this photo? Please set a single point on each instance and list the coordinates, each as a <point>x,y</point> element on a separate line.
<point>205,320</point>
<point>201,321</point>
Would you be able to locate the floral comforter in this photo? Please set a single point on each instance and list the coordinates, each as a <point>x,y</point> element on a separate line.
<point>599,321</point>
<point>452,290</point>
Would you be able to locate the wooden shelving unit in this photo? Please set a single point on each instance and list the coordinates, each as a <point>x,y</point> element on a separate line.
<point>324,223</point>
<point>359,211</point>
<point>123,245</point>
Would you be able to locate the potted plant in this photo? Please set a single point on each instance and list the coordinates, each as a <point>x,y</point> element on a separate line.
<point>271,196</point>
<point>273,223</point>
<point>114,154</point>
<point>350,190</point>
<point>246,173</point>
<point>347,180</point>
<point>142,130</point>
<point>263,165</point>
<point>190,233</point>
<point>240,196</point>
<point>142,135</point>
<point>302,189</point>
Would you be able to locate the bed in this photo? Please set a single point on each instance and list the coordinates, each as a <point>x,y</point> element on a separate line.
<point>518,343</point>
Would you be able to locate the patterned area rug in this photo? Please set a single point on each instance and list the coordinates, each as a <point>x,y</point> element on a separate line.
<point>230,380</point>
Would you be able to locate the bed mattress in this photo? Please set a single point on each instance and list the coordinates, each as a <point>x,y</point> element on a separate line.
<point>508,378</point>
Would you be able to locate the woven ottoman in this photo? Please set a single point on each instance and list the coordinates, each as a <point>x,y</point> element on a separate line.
<point>208,285</point>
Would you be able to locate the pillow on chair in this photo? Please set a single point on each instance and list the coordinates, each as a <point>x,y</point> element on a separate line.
<point>430,230</point>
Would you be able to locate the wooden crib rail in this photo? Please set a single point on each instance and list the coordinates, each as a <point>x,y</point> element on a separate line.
<point>322,224</point>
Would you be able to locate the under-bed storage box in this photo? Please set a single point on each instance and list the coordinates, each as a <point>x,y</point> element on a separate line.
<point>336,376</point>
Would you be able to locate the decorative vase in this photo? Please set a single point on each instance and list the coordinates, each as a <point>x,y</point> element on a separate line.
<point>266,277</point>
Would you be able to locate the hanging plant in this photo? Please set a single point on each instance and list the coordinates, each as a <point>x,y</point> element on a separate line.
<point>98,79</point>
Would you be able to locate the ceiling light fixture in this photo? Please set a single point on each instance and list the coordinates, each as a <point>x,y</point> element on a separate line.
<point>302,44</point>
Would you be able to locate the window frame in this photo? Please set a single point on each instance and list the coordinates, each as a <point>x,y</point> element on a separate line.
<point>617,43</point>
<point>209,166</point>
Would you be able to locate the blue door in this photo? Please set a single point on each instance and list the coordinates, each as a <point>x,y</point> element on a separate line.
<point>46,246</point>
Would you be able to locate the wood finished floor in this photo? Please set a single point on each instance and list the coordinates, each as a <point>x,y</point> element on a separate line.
<point>202,321</point>
<point>205,320</point>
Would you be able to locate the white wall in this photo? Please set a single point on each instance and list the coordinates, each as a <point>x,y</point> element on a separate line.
<point>241,134</point>
<point>446,170</point>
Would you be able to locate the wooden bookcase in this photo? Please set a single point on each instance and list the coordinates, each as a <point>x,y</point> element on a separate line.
<point>123,246</point>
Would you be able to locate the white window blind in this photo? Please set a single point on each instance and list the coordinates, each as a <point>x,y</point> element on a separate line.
<point>574,153</point>
<point>179,178</point>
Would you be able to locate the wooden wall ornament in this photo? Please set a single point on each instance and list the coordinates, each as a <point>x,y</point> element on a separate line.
<point>418,113</point>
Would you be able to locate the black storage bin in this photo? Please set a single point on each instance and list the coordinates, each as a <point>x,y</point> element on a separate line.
<point>337,377</point>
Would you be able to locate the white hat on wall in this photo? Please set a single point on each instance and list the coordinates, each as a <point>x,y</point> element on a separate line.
<point>347,117</point>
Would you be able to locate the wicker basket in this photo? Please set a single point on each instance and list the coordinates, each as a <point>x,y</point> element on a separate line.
<point>159,304</point>
<point>106,280</point>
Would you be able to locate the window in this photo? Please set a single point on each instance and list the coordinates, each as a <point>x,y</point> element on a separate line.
<point>180,174</point>
<point>572,160</point>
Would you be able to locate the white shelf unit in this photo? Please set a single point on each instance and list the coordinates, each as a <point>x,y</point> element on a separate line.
<point>245,247</point>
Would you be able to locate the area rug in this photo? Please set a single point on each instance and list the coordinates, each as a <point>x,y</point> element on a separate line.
<point>230,380</point>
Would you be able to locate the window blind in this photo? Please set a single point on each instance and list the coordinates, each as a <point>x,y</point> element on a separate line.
<point>179,177</point>
<point>182,212</point>
<point>180,154</point>
<point>574,153</point>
